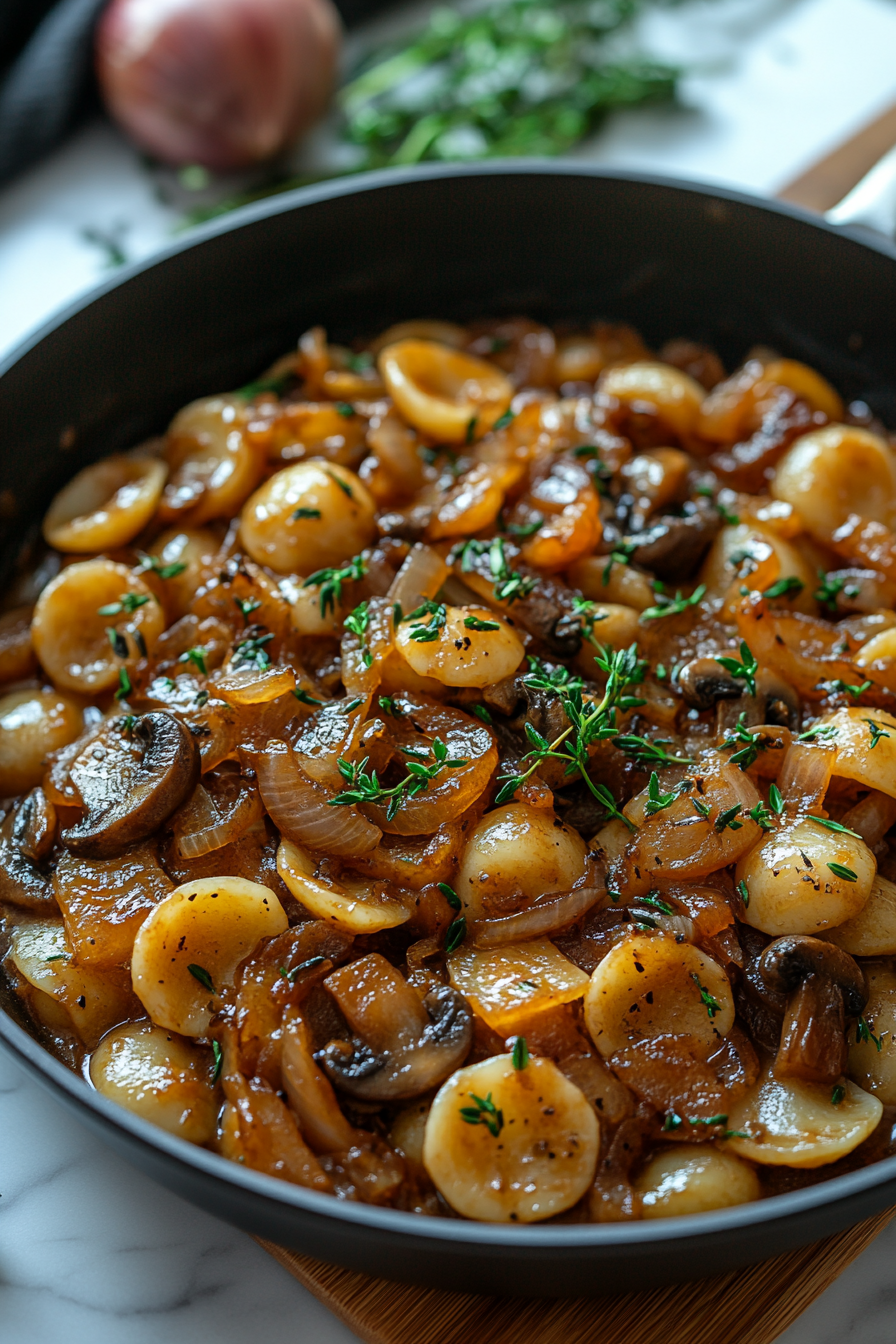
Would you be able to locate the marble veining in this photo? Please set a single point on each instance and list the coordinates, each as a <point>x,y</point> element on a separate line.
<point>93,1252</point>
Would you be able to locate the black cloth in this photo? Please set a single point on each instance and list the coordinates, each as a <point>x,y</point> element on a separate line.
<point>46,72</point>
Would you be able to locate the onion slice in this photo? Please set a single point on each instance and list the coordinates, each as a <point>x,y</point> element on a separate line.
<point>301,811</point>
<point>421,576</point>
<point>544,917</point>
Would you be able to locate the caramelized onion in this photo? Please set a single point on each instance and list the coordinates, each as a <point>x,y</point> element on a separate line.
<point>421,576</point>
<point>212,819</point>
<point>418,723</point>
<point>544,917</point>
<point>301,809</point>
<point>805,774</point>
<point>872,817</point>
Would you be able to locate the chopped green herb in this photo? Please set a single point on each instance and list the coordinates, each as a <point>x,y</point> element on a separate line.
<point>484,1112</point>
<point>672,1121</point>
<point>744,894</point>
<point>302,966</point>
<point>745,757</point>
<point>525,529</point>
<point>482,713</point>
<point>218,1057</point>
<point>620,555</point>
<point>471,429</point>
<point>365,787</point>
<point>195,656</point>
<point>841,870</point>
<point>711,1004</point>
<point>302,512</point>
<point>457,932</point>
<point>743,669</point>
<point>520,1056</point>
<point>57,956</point>
<point>164,571</point>
<point>450,895</point>
<point>425,631</point>
<point>668,606</point>
<point>474,623</point>
<point>246,606</point>
<point>837,1094</point>
<point>343,408</point>
<point>645,752</point>
<point>876,732</point>
<point>775,799</point>
<point>656,801</point>
<point>330,582</point>
<point>784,587</point>
<point>653,899</point>
<point>855,691</point>
<point>835,826</point>
<point>700,807</point>
<point>304,698</point>
<point>509,585</point>
<point>762,816</point>
<point>824,731</point>
<point>337,480</point>
<point>864,1033</point>
<point>128,602</point>
<point>726,820</point>
<point>201,974</point>
<point>124,684</point>
<point>118,642</point>
<point>504,420</point>
<point>357,622</point>
<point>830,586</point>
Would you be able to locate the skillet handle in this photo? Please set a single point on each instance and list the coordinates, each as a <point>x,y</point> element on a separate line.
<point>872,202</point>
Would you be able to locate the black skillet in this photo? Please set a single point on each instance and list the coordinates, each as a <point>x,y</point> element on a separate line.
<point>551,240</point>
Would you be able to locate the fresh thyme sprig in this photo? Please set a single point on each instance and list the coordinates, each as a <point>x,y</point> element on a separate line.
<point>589,721</point>
<point>365,786</point>
<point>154,563</point>
<point>745,757</point>
<point>742,669</point>
<point>876,732</point>
<point>673,606</point>
<point>251,652</point>
<point>128,602</point>
<point>484,1112</point>
<point>509,585</point>
<point>357,622</point>
<point>645,752</point>
<point>424,631</point>
<point>330,582</point>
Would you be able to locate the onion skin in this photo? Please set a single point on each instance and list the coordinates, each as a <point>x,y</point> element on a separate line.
<point>223,83</point>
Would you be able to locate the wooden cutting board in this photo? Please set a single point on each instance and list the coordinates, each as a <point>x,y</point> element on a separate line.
<point>750,1306</point>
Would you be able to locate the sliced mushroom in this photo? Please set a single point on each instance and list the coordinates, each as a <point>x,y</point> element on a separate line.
<point>26,838</point>
<point>674,545</point>
<point>781,702</point>
<point>131,779</point>
<point>402,1045</point>
<point>824,986</point>
<point>703,682</point>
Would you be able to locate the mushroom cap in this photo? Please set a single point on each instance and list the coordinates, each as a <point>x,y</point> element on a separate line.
<point>408,1069</point>
<point>703,681</point>
<point>788,961</point>
<point>131,782</point>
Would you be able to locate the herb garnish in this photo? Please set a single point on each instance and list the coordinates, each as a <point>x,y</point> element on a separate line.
<point>589,722</point>
<point>357,622</point>
<point>218,1057</point>
<point>520,1055</point>
<point>457,932</point>
<point>876,732</point>
<point>118,642</point>
<point>196,656</point>
<point>365,787</point>
<point>841,870</point>
<point>673,606</point>
<point>784,587</point>
<point>656,801</point>
<point>864,1033</point>
<point>474,623</point>
<point>330,582</point>
<point>246,606</point>
<point>742,669</point>
<point>298,514</point>
<point>154,563</point>
<point>485,1112</point>
<point>450,895</point>
<point>645,752</point>
<point>743,893</point>
<point>424,632</point>
<point>834,826</point>
<point>838,1092</point>
<point>124,684</point>
<point>302,966</point>
<point>711,1004</point>
<point>128,602</point>
<point>201,974</point>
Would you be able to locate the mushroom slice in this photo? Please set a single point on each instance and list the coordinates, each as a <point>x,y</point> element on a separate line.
<point>131,779</point>
<point>825,986</point>
<point>403,1045</point>
<point>26,836</point>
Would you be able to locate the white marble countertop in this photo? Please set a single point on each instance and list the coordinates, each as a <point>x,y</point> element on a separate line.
<point>91,1252</point>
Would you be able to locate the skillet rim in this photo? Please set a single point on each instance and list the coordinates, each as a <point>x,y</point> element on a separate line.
<point>484,1237</point>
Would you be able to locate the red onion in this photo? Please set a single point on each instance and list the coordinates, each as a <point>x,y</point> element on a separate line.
<point>222,83</point>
